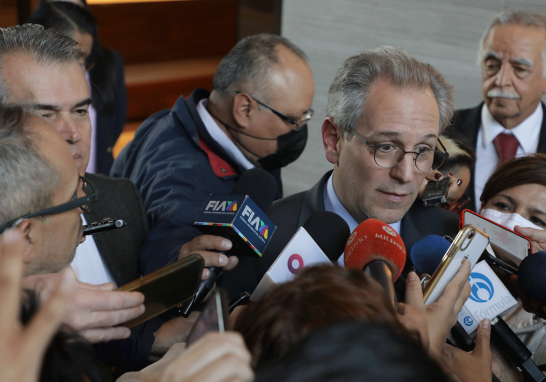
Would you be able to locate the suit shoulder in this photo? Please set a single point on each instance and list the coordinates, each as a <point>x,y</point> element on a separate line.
<point>286,208</point>
<point>464,117</point>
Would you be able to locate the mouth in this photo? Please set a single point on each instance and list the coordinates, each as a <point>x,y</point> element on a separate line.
<point>76,156</point>
<point>81,238</point>
<point>394,196</point>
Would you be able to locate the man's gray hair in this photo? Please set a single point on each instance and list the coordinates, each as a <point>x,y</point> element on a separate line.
<point>46,46</point>
<point>247,65</point>
<point>354,80</point>
<point>526,17</point>
<point>28,182</point>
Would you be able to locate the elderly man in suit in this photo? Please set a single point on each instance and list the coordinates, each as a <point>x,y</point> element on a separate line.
<point>510,122</point>
<point>385,112</point>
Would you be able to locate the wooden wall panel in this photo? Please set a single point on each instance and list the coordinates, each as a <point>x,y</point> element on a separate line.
<point>170,30</point>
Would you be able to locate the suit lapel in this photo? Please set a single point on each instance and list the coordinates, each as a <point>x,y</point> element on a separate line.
<point>542,137</point>
<point>313,200</point>
<point>470,128</point>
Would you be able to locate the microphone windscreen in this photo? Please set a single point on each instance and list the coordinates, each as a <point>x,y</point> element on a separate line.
<point>330,231</point>
<point>259,185</point>
<point>375,240</point>
<point>532,275</point>
<point>428,252</point>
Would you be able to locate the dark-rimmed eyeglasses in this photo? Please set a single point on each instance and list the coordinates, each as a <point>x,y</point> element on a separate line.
<point>389,156</point>
<point>299,124</point>
<point>85,203</point>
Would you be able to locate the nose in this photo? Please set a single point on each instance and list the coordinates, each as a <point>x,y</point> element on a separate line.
<point>405,169</point>
<point>69,130</point>
<point>503,77</point>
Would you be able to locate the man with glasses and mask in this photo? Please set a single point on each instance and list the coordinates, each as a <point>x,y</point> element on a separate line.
<point>255,116</point>
<point>385,112</point>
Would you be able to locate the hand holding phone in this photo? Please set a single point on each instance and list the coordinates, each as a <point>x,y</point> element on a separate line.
<point>167,287</point>
<point>213,318</point>
<point>469,244</point>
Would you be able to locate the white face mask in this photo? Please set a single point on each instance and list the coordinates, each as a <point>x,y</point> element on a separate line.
<point>508,220</point>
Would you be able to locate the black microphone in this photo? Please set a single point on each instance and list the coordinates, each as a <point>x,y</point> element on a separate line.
<point>239,217</point>
<point>532,275</point>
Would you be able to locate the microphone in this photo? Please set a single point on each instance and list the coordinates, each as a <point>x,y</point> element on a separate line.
<point>379,251</point>
<point>532,275</point>
<point>239,217</point>
<point>489,299</point>
<point>428,252</point>
<point>321,240</point>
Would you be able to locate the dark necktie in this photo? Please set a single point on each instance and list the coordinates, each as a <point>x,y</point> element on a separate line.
<point>507,146</point>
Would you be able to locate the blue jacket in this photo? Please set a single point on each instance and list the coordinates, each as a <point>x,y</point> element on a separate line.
<point>176,165</point>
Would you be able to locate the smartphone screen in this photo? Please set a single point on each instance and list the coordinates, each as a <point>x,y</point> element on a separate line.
<point>167,287</point>
<point>470,244</point>
<point>213,318</point>
<point>507,245</point>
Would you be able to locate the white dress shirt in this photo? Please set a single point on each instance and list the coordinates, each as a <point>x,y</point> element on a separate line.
<point>487,158</point>
<point>333,204</point>
<point>88,263</point>
<point>220,137</point>
<point>92,165</point>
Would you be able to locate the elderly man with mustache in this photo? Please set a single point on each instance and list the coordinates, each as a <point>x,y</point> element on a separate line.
<point>510,122</point>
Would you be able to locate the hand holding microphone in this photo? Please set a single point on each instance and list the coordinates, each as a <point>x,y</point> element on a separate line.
<point>442,314</point>
<point>240,219</point>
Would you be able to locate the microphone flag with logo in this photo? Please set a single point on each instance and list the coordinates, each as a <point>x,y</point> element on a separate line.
<point>320,240</point>
<point>240,216</point>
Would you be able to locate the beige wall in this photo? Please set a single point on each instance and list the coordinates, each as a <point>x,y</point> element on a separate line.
<point>444,33</point>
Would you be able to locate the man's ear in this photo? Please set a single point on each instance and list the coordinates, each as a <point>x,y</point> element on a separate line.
<point>331,138</point>
<point>29,232</point>
<point>242,110</point>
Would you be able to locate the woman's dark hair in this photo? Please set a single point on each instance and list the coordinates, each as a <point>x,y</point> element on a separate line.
<point>67,18</point>
<point>68,358</point>
<point>516,172</point>
<point>354,352</point>
<point>460,153</point>
<point>319,296</point>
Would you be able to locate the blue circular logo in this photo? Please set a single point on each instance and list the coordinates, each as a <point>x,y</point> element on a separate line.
<point>482,288</point>
<point>468,321</point>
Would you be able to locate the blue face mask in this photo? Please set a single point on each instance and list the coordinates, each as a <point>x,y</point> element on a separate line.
<point>508,220</point>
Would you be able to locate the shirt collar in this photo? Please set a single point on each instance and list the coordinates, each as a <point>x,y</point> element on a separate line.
<point>220,137</point>
<point>333,204</point>
<point>528,128</point>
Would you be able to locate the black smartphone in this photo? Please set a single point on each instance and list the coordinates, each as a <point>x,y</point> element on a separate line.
<point>167,287</point>
<point>436,192</point>
<point>213,318</point>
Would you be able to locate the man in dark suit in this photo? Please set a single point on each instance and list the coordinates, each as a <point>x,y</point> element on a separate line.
<point>383,105</point>
<point>511,120</point>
